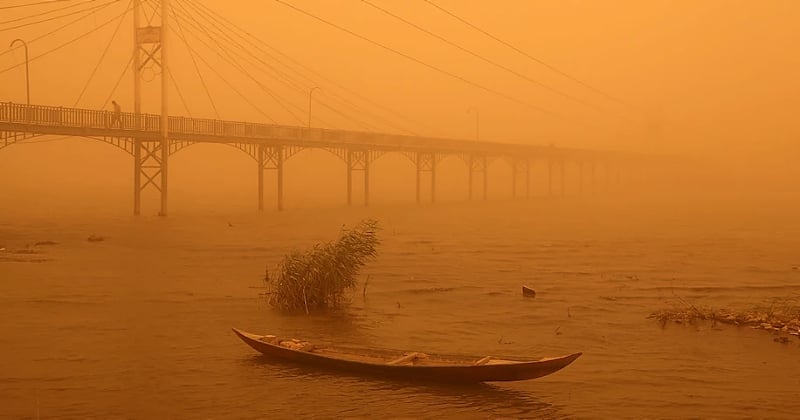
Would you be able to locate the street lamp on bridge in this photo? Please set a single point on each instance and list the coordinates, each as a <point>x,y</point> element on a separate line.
<point>27,74</point>
<point>311,92</point>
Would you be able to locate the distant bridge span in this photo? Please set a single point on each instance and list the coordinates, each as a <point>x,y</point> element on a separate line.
<point>270,145</point>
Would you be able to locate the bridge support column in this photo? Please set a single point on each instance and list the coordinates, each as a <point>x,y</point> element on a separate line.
<point>520,167</point>
<point>357,160</point>
<point>349,163</point>
<point>433,178</point>
<point>485,178</point>
<point>137,177</point>
<point>592,166</point>
<point>563,179</point>
<point>527,179</point>
<point>164,173</point>
<point>260,177</point>
<point>514,178</point>
<point>279,169</point>
<point>580,177</point>
<point>149,163</point>
<point>426,162</point>
<point>270,157</point>
<point>470,169</point>
<point>476,164</point>
<point>550,177</point>
<point>366,178</point>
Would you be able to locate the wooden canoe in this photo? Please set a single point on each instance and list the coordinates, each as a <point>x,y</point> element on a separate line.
<point>417,366</point>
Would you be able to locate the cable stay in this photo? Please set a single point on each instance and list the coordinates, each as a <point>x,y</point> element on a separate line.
<point>425,64</point>
<point>103,55</point>
<point>37,3</point>
<point>88,9</point>
<point>47,12</point>
<point>483,58</point>
<point>257,43</point>
<point>292,84</point>
<point>71,41</point>
<point>80,18</point>
<point>529,56</point>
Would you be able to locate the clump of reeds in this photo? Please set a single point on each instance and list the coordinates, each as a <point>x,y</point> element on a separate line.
<point>318,278</point>
<point>781,316</point>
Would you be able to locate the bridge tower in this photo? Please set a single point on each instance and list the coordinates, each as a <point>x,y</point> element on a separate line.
<point>150,156</point>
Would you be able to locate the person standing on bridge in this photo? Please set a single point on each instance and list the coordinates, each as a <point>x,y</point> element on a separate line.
<point>117,117</point>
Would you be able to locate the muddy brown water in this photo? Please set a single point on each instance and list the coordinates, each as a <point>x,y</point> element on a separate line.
<point>138,325</point>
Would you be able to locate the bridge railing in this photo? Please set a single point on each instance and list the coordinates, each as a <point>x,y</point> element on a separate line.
<point>220,128</point>
<point>74,117</point>
<point>225,130</point>
<point>102,119</point>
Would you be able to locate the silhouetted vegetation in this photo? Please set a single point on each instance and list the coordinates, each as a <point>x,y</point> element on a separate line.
<point>318,279</point>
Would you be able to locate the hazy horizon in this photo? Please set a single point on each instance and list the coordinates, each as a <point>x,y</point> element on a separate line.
<point>708,81</point>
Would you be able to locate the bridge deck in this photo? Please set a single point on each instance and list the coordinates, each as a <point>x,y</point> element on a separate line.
<point>40,119</point>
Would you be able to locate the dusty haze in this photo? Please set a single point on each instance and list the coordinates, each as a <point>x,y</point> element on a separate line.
<point>711,80</point>
<point>137,326</point>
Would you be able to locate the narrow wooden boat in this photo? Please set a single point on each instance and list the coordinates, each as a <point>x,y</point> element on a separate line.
<point>414,365</point>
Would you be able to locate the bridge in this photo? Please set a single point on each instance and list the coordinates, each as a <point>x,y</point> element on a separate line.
<point>270,145</point>
<point>151,139</point>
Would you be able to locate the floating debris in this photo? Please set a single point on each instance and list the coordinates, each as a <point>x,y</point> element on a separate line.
<point>528,292</point>
<point>95,238</point>
<point>45,243</point>
<point>431,290</point>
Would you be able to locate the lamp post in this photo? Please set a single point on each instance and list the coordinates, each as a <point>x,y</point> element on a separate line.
<point>27,74</point>
<point>311,92</point>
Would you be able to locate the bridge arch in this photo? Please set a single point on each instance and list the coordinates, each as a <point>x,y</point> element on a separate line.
<point>10,138</point>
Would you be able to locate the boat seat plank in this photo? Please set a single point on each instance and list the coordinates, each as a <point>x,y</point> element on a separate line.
<point>411,357</point>
<point>483,361</point>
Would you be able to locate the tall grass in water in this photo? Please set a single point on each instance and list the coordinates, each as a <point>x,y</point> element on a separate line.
<point>318,278</point>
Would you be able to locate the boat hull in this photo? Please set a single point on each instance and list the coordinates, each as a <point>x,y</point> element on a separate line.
<point>507,371</point>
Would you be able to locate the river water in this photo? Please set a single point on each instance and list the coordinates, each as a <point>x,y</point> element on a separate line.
<point>138,325</point>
